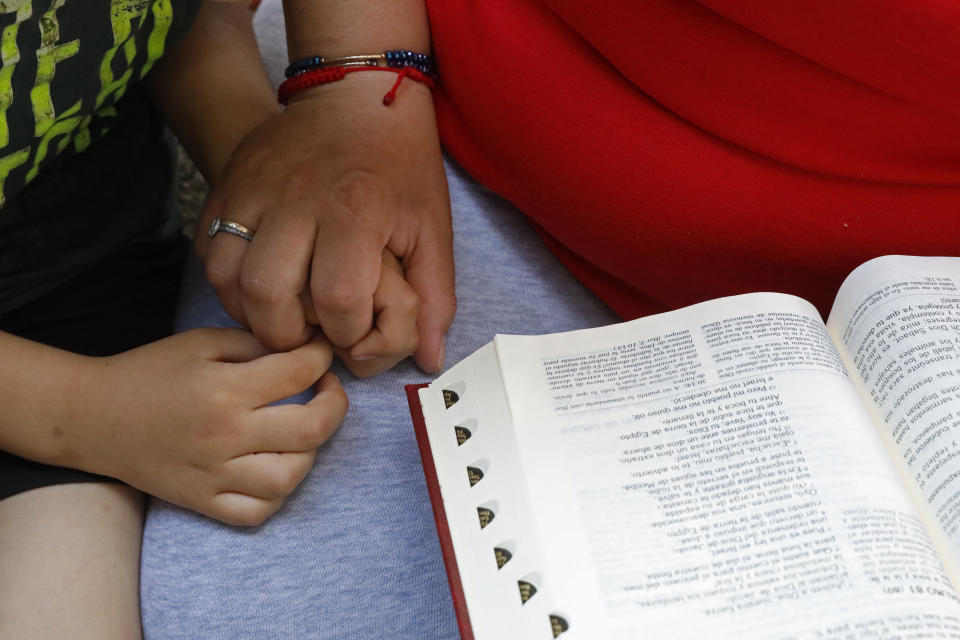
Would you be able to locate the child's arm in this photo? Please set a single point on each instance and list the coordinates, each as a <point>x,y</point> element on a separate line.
<point>185,419</point>
<point>212,88</point>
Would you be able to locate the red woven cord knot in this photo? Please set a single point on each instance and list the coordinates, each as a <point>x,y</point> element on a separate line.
<point>414,74</point>
<point>392,94</point>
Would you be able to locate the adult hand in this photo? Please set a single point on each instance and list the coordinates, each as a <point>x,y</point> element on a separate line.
<point>328,185</point>
<point>187,419</point>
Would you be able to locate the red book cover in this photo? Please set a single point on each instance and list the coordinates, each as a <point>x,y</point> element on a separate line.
<point>439,515</point>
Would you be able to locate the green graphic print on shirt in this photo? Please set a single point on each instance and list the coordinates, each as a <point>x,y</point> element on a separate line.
<point>65,64</point>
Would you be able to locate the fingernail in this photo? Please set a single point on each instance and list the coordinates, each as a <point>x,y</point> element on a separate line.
<point>443,353</point>
<point>362,358</point>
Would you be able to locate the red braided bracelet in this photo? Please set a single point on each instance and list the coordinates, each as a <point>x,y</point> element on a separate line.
<point>325,75</point>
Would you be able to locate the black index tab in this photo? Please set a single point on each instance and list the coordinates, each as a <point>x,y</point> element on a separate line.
<point>558,625</point>
<point>527,590</point>
<point>486,516</point>
<point>475,475</point>
<point>450,397</point>
<point>503,556</point>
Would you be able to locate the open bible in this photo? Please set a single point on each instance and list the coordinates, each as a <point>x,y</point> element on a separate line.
<point>734,469</point>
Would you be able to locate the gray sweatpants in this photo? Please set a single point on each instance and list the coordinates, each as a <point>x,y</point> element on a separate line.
<point>353,554</point>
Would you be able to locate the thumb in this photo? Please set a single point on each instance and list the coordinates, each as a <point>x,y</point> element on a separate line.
<point>429,271</point>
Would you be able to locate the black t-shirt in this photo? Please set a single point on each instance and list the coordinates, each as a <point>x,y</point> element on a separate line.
<point>83,163</point>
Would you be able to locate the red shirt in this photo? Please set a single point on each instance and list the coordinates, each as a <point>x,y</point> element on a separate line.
<point>673,151</point>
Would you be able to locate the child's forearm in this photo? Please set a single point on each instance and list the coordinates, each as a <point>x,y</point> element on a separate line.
<point>41,393</point>
<point>353,27</point>
<point>212,89</point>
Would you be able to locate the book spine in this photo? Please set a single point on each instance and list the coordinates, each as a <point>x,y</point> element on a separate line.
<point>440,515</point>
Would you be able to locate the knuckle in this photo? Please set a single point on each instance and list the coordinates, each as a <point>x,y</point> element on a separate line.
<point>312,434</point>
<point>214,409</point>
<point>219,432</point>
<point>259,288</point>
<point>325,419</point>
<point>401,344</point>
<point>276,338</point>
<point>340,404</point>
<point>409,304</point>
<point>338,299</point>
<point>364,369</point>
<point>323,350</point>
<point>267,509</point>
<point>289,477</point>
<point>245,515</point>
<point>219,277</point>
<point>219,398</point>
<point>279,481</point>
<point>218,426</point>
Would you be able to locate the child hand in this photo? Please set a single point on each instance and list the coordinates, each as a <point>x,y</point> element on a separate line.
<point>187,419</point>
<point>394,334</point>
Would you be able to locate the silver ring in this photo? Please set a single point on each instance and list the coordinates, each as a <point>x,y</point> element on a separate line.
<point>235,228</point>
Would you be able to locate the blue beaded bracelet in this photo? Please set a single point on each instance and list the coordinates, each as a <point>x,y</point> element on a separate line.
<point>396,59</point>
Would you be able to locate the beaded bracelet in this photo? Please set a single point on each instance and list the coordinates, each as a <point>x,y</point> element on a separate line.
<point>396,59</point>
<point>325,75</point>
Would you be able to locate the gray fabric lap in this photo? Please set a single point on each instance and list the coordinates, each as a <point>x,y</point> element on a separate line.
<point>353,553</point>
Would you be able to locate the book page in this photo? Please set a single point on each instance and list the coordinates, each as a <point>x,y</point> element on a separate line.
<point>898,321</point>
<point>712,472</point>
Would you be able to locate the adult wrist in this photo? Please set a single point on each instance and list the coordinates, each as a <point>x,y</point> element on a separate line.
<point>347,27</point>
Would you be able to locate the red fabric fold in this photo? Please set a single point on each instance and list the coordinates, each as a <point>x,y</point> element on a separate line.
<point>671,152</point>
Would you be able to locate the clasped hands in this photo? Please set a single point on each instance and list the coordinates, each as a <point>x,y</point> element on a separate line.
<point>349,202</point>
